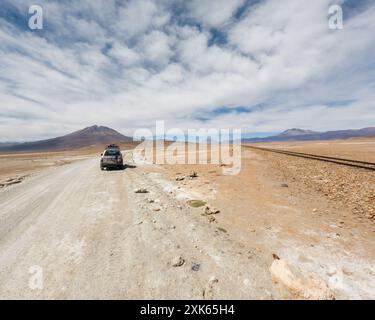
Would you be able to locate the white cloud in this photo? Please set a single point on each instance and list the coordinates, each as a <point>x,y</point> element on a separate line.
<point>213,13</point>
<point>127,66</point>
<point>138,16</point>
<point>155,47</point>
<point>124,55</point>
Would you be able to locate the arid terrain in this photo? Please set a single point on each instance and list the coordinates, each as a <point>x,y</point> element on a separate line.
<point>285,227</point>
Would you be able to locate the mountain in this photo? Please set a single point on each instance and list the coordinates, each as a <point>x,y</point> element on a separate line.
<point>6,144</point>
<point>94,135</point>
<point>306,135</point>
<point>295,132</point>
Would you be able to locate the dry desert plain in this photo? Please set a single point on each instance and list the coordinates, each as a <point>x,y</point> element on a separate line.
<point>284,227</point>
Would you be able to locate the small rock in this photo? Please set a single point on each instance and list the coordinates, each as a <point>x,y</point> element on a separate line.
<point>195,266</point>
<point>311,287</point>
<point>177,261</point>
<point>193,175</point>
<point>150,200</point>
<point>180,178</point>
<point>284,185</point>
<point>347,272</point>
<point>211,219</point>
<point>156,209</point>
<point>140,222</point>
<point>141,190</point>
<point>275,256</point>
<point>173,227</point>
<point>315,210</point>
<point>213,280</point>
<point>210,210</point>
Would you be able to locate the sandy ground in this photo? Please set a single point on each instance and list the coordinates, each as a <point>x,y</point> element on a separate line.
<point>91,236</point>
<point>17,166</point>
<point>362,149</point>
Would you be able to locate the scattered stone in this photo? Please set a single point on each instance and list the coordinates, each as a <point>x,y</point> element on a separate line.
<point>177,261</point>
<point>310,287</point>
<point>222,229</point>
<point>173,227</point>
<point>150,200</point>
<point>193,175</point>
<point>141,190</point>
<point>140,222</point>
<point>211,210</point>
<point>315,210</point>
<point>180,178</point>
<point>195,266</point>
<point>156,209</point>
<point>208,291</point>
<point>11,181</point>
<point>347,272</point>
<point>153,221</point>
<point>284,185</point>
<point>211,219</point>
<point>275,256</point>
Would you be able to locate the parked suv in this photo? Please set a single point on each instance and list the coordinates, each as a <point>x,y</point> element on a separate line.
<point>111,158</point>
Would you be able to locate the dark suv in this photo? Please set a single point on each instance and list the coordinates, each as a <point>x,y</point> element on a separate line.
<point>111,158</point>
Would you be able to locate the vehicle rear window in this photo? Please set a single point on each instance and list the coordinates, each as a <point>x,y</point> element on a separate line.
<point>112,152</point>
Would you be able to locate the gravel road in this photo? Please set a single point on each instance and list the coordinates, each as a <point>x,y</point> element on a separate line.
<point>77,232</point>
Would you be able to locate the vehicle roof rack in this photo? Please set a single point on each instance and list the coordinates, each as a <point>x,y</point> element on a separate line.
<point>113,146</point>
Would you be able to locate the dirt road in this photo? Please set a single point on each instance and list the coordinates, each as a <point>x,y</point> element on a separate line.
<point>74,231</point>
<point>91,236</point>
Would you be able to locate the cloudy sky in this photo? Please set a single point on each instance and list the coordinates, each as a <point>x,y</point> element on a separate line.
<point>262,66</point>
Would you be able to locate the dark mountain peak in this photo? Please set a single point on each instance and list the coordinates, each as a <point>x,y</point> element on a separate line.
<point>94,135</point>
<point>95,128</point>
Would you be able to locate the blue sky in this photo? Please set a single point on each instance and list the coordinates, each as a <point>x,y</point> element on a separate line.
<point>262,66</point>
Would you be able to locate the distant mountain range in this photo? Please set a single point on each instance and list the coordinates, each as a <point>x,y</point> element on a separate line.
<point>99,135</point>
<point>305,135</point>
<point>94,135</point>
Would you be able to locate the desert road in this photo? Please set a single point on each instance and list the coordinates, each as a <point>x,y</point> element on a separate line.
<point>86,234</point>
<point>76,232</point>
